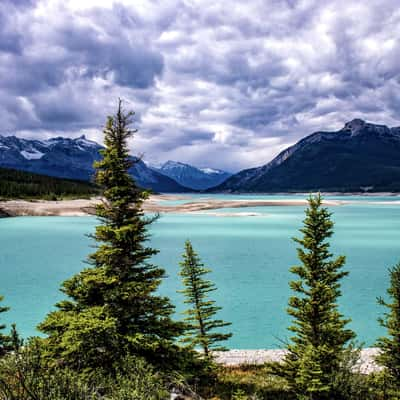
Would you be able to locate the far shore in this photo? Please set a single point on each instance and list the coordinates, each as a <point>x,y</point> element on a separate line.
<point>155,204</point>
<point>159,204</point>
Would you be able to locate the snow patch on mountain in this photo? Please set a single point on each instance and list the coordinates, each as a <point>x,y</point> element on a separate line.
<point>211,171</point>
<point>32,154</point>
<point>72,158</point>
<point>82,141</point>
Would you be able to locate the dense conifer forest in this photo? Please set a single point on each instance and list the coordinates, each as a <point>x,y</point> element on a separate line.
<point>26,185</point>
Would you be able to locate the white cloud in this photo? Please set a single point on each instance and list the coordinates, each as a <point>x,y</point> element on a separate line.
<point>219,84</point>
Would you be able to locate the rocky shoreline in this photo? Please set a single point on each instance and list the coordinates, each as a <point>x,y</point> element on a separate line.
<point>234,358</point>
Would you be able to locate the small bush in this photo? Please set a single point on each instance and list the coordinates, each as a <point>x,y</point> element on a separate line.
<point>381,387</point>
<point>348,382</point>
<point>135,380</point>
<point>26,375</point>
<point>249,382</point>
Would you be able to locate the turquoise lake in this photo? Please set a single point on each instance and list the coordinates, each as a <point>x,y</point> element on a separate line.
<point>250,257</point>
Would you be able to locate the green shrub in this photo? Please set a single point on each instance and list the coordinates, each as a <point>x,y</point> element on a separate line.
<point>348,382</point>
<point>24,375</point>
<point>27,375</point>
<point>248,382</point>
<point>135,380</point>
<point>380,385</point>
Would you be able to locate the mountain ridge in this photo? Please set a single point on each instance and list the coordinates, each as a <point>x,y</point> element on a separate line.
<point>72,158</point>
<point>358,156</point>
<point>361,156</point>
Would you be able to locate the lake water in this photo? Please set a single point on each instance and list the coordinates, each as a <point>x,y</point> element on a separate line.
<point>249,255</point>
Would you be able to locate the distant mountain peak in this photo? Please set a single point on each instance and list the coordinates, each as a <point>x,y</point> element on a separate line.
<point>177,164</point>
<point>358,156</point>
<point>73,158</point>
<point>83,141</point>
<point>191,176</point>
<point>354,125</point>
<point>173,164</point>
<point>358,126</point>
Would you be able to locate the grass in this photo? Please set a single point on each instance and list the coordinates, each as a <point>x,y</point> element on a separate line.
<point>247,382</point>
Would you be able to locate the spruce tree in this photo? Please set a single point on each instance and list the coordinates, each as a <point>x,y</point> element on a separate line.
<point>15,340</point>
<point>200,320</point>
<point>113,307</point>
<point>4,339</point>
<point>390,345</point>
<point>320,337</point>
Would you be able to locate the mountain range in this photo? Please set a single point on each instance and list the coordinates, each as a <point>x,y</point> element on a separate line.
<point>73,159</point>
<point>193,177</point>
<point>359,157</point>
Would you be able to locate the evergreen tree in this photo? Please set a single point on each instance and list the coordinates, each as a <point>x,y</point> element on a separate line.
<point>15,340</point>
<point>200,318</point>
<point>390,346</point>
<point>113,308</point>
<point>3,338</point>
<point>316,349</point>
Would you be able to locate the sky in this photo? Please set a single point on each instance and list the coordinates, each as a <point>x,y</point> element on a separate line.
<point>221,84</point>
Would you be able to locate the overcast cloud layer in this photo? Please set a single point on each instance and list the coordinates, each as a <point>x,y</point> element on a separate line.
<point>225,84</point>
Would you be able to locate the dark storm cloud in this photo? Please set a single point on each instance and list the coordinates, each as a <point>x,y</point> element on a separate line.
<point>132,64</point>
<point>214,85</point>
<point>10,39</point>
<point>60,113</point>
<point>192,136</point>
<point>59,64</point>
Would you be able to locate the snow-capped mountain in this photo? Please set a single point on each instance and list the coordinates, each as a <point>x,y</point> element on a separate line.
<point>359,157</point>
<point>72,158</point>
<point>190,176</point>
<point>59,156</point>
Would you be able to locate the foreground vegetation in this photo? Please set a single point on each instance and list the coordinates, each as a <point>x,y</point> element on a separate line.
<point>16,184</point>
<point>115,338</point>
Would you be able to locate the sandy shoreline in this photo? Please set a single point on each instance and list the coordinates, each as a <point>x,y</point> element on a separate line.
<point>367,363</point>
<point>158,204</point>
<point>153,204</point>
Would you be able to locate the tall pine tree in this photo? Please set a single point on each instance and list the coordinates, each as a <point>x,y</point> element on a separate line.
<point>390,345</point>
<point>320,336</point>
<point>113,307</point>
<point>200,320</point>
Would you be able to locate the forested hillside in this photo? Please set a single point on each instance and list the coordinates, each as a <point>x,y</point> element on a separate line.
<point>20,184</point>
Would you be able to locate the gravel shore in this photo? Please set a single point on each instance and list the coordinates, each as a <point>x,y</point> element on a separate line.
<point>367,362</point>
<point>156,203</point>
<point>160,204</point>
